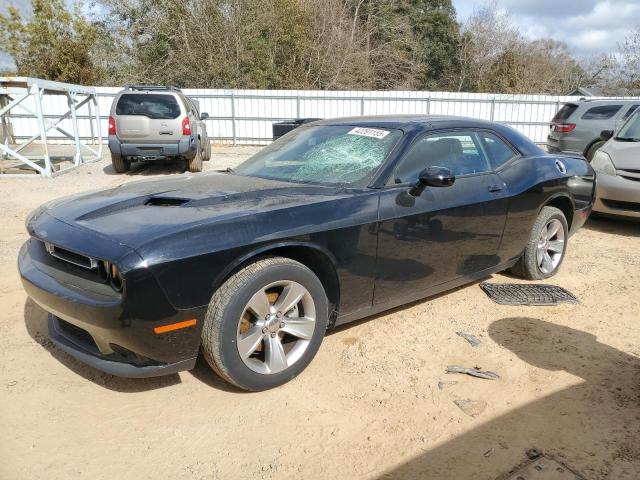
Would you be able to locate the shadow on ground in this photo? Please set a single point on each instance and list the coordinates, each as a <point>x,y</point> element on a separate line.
<point>621,226</point>
<point>576,425</point>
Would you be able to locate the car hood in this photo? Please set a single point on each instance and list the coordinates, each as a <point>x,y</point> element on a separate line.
<point>624,155</point>
<point>134,214</point>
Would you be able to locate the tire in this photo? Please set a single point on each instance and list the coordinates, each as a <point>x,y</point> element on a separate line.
<point>592,150</point>
<point>543,260</point>
<point>120,165</point>
<point>195,164</point>
<point>206,154</point>
<point>230,312</point>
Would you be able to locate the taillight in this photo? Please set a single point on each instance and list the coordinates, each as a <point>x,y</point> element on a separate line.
<point>112,126</point>
<point>186,126</point>
<point>563,127</point>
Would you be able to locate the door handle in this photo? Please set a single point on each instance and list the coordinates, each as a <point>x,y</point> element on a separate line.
<point>495,188</point>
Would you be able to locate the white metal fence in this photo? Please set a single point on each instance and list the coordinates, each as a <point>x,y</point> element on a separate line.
<point>246,116</point>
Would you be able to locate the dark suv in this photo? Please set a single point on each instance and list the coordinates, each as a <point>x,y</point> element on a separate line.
<point>577,125</point>
<point>149,122</point>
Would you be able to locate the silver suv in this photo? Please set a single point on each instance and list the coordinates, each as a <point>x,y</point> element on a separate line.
<point>577,125</point>
<point>150,122</point>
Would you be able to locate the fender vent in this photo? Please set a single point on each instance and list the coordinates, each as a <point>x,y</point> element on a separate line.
<point>165,201</point>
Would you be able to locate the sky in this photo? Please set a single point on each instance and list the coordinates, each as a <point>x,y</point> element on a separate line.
<point>588,27</point>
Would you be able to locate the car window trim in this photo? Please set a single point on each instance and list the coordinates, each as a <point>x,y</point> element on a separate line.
<point>630,111</point>
<point>144,92</point>
<point>514,150</point>
<point>517,154</point>
<point>613,115</point>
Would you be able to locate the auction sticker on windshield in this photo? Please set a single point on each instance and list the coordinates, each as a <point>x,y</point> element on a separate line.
<point>368,132</point>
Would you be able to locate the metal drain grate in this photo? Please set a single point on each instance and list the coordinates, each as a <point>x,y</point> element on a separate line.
<point>524,294</point>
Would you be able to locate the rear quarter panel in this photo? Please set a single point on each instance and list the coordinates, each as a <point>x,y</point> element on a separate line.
<point>536,181</point>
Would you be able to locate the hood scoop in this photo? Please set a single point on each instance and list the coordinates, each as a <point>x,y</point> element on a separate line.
<point>166,201</point>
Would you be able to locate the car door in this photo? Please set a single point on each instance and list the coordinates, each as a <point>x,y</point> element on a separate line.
<point>444,233</point>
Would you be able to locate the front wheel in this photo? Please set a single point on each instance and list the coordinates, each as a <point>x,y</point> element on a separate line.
<point>265,324</point>
<point>546,248</point>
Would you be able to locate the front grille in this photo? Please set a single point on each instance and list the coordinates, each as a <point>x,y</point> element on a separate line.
<point>618,205</point>
<point>77,333</point>
<point>71,257</point>
<point>121,354</point>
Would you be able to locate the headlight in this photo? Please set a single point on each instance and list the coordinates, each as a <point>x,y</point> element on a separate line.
<point>115,278</point>
<point>602,163</point>
<point>112,275</point>
<point>33,215</point>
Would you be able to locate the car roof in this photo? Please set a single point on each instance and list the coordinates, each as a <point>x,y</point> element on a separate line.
<point>400,121</point>
<point>424,123</point>
<point>607,101</point>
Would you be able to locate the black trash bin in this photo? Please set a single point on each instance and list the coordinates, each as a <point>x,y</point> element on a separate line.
<point>280,128</point>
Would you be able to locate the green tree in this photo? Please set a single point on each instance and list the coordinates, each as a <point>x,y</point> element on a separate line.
<point>437,33</point>
<point>53,43</point>
<point>206,43</point>
<point>392,50</point>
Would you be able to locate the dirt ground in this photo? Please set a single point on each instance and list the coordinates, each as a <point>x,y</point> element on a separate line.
<point>375,402</point>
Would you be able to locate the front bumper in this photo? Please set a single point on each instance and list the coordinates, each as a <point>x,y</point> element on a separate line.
<point>110,331</point>
<point>86,352</point>
<point>617,196</point>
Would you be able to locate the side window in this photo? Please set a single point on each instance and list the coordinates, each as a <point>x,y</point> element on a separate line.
<point>458,151</point>
<point>192,106</point>
<point>630,111</point>
<point>498,152</point>
<point>603,112</point>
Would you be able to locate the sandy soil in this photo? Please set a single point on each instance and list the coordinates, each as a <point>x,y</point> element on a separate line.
<point>369,406</point>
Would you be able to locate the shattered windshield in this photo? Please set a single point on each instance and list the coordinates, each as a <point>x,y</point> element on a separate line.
<point>630,132</point>
<point>332,154</point>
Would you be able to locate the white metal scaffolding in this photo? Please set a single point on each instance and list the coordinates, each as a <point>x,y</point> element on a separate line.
<point>27,95</point>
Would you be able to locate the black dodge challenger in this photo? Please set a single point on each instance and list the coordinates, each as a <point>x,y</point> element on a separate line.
<point>333,222</point>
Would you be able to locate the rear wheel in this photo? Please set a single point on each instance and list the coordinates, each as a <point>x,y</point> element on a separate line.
<point>265,324</point>
<point>120,164</point>
<point>195,164</point>
<point>546,248</point>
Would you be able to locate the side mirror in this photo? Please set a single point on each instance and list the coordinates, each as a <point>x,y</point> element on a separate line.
<point>606,135</point>
<point>204,116</point>
<point>433,177</point>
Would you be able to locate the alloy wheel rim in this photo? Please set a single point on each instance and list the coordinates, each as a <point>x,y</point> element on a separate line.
<point>276,327</point>
<point>550,246</point>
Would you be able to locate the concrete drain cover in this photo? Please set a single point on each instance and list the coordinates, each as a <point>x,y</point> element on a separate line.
<point>525,294</point>
<point>543,468</point>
